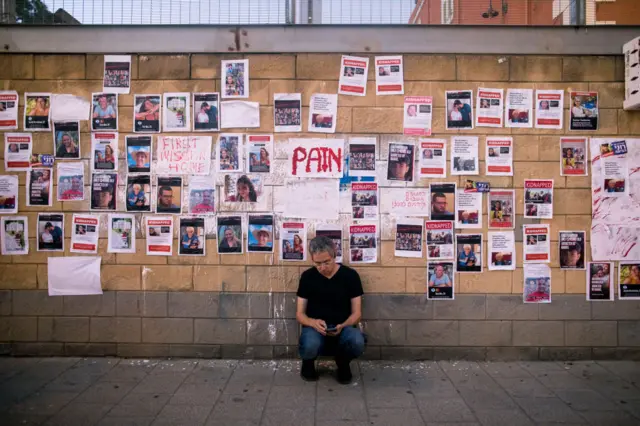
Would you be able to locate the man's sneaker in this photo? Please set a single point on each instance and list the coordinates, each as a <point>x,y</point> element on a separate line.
<point>308,370</point>
<point>344,372</point>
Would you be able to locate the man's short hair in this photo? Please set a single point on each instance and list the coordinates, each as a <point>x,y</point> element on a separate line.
<point>165,188</point>
<point>438,195</point>
<point>322,244</point>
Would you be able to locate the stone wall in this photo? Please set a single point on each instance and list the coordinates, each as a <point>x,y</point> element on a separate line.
<point>244,306</point>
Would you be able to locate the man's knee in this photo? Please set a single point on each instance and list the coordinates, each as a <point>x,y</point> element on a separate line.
<point>310,343</point>
<point>352,342</point>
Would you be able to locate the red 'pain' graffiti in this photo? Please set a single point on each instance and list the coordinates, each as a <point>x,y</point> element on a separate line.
<point>325,159</point>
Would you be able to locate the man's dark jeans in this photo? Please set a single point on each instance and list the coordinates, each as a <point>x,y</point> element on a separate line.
<point>350,343</point>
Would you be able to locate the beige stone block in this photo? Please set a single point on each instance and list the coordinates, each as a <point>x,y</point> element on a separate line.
<point>35,256</point>
<point>369,100</point>
<point>557,224</point>
<point>211,255</point>
<point>575,282</point>
<point>388,258</point>
<point>56,206</point>
<point>281,86</point>
<point>482,68</point>
<point>377,120</point>
<point>588,68</point>
<point>160,67</point>
<point>140,256</point>
<point>535,68</point>
<point>537,170</point>
<point>525,148</point>
<point>485,282</point>
<point>171,278</point>
<point>18,277</point>
<point>5,68</point>
<point>383,280</point>
<point>417,280</point>
<point>549,149</point>
<point>309,87</point>
<point>208,65</point>
<point>572,201</point>
<point>121,277</point>
<point>43,277</point>
<point>219,278</point>
<point>318,66</point>
<point>580,222</point>
<point>22,66</point>
<point>63,67</point>
<point>248,259</point>
<point>619,73</point>
<point>272,66</point>
<point>610,95</point>
<point>267,279</point>
<point>578,181</point>
<point>259,91</point>
<point>345,120</point>
<point>189,86</point>
<point>628,122</point>
<point>429,67</point>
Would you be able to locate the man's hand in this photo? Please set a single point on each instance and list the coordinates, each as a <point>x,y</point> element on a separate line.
<point>339,328</point>
<point>318,325</point>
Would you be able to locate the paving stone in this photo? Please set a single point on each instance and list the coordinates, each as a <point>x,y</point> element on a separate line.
<point>225,421</point>
<point>23,419</point>
<point>561,380</point>
<point>609,418</point>
<point>433,388</point>
<point>128,372</point>
<point>302,416</point>
<point>502,417</point>
<point>395,416</point>
<point>197,394</point>
<point>390,397</point>
<point>178,415</point>
<point>445,410</point>
<point>504,369</point>
<point>585,400</point>
<point>239,407</point>
<point>125,421</point>
<point>159,383</point>
<point>341,423</point>
<point>291,397</point>
<point>140,405</point>
<point>338,408</point>
<point>79,413</point>
<point>106,392</point>
<point>488,398</point>
<point>548,410</point>
<point>44,403</point>
<point>523,387</point>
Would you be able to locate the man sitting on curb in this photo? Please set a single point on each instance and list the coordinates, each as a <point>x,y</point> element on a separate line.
<point>329,308</point>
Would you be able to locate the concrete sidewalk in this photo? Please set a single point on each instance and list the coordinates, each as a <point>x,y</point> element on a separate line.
<point>124,392</point>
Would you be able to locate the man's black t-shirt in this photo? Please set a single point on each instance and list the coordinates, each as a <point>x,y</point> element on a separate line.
<point>330,299</point>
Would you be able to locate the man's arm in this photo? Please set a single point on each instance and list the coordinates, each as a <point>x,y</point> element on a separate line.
<point>319,325</point>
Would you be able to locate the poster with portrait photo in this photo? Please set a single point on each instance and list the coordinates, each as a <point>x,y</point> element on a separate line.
<point>573,156</point>
<point>439,238</point>
<point>234,82</point>
<point>499,156</point>
<point>293,240</point>
<point>363,246</point>
<point>121,233</point>
<point>362,157</point>
<point>14,235</point>
<point>104,112</point>
<point>464,155</point>
<point>104,152</point>
<point>70,181</point>
<point>104,191</point>
<point>229,232</point>
<point>518,111</point>
<point>468,210</point>
<point>169,194</point>
<point>117,73</point>
<point>469,253</point>
<point>600,281</point>
<point>443,198</point>
<point>323,113</point>
<point>259,153</point>
<point>50,232</point>
<point>583,111</point>
<point>138,195</point>
<point>8,194</point>
<point>202,195</point>
<point>8,110</point>
<point>176,114</point>
<point>408,237</point>
<point>138,153</point>
<point>432,158</point>
<point>353,76</point>
<point>400,162</point>
<point>39,187</point>
<point>459,109</point>
<point>287,112</point>
<point>537,284</point>
<point>549,109</point>
<point>536,243</point>
<point>500,203</point>
<point>364,201</point>
<point>260,233</point>
<point>37,112</point>
<point>242,188</point>
<point>192,237</point>
<point>538,198</point>
<point>229,152</point>
<point>614,172</point>
<point>629,280</point>
<point>66,139</point>
<point>147,110</point>
<point>389,75</point>
<point>334,233</point>
<point>572,245</point>
<point>84,233</point>
<point>489,107</point>
<point>501,255</point>
<point>440,281</point>
<point>159,235</point>
<point>17,151</point>
<point>206,112</point>
<point>418,115</point>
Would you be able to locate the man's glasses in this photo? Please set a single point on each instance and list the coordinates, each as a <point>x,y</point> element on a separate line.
<point>323,264</point>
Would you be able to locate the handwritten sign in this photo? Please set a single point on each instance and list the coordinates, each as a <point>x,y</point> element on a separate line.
<point>319,158</point>
<point>184,155</point>
<point>410,202</point>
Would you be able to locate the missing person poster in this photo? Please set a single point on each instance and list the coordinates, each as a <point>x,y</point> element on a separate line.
<point>146,113</point>
<point>500,204</point>
<point>536,243</point>
<point>229,152</point>
<point>229,231</point>
<point>459,109</point>
<point>17,151</point>
<point>549,109</point>
<point>573,156</point>
<point>202,195</point>
<point>489,107</point>
<point>469,253</point>
<point>519,108</point>
<point>499,156</point>
<point>440,281</point>
<point>501,254</point>
<point>364,201</point>
<point>259,153</point>
<point>293,237</point>
<point>103,191</point>
<point>121,229</point>
<point>260,235</point>
<point>362,244</point>
<point>241,188</point>
<point>50,232</point>
<point>362,157</point>
<point>206,112</point>
<point>323,113</point>
<point>138,193</point>
<point>584,111</point>
<point>334,233</point>
<point>169,194</point>
<point>66,139</point>
<point>117,73</point>
<point>389,75</point>
<point>8,194</point>
<point>71,181</point>
<point>159,235</point>
<point>400,162</point>
<point>8,110</point>
<point>537,284</point>
<point>37,112</point>
<point>442,201</point>
<point>418,115</point>
<point>629,280</point>
<point>287,112</point>
<point>571,245</point>
<point>614,175</point>
<point>192,237</point>
<point>84,233</point>
<point>176,115</point>
<point>39,187</point>
<point>408,237</point>
<point>433,158</point>
<point>104,112</point>
<point>468,210</point>
<point>353,76</point>
<point>235,78</point>
<point>138,154</point>
<point>538,198</point>
<point>464,155</point>
<point>439,237</point>
<point>14,235</point>
<point>104,151</point>
<point>600,281</point>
